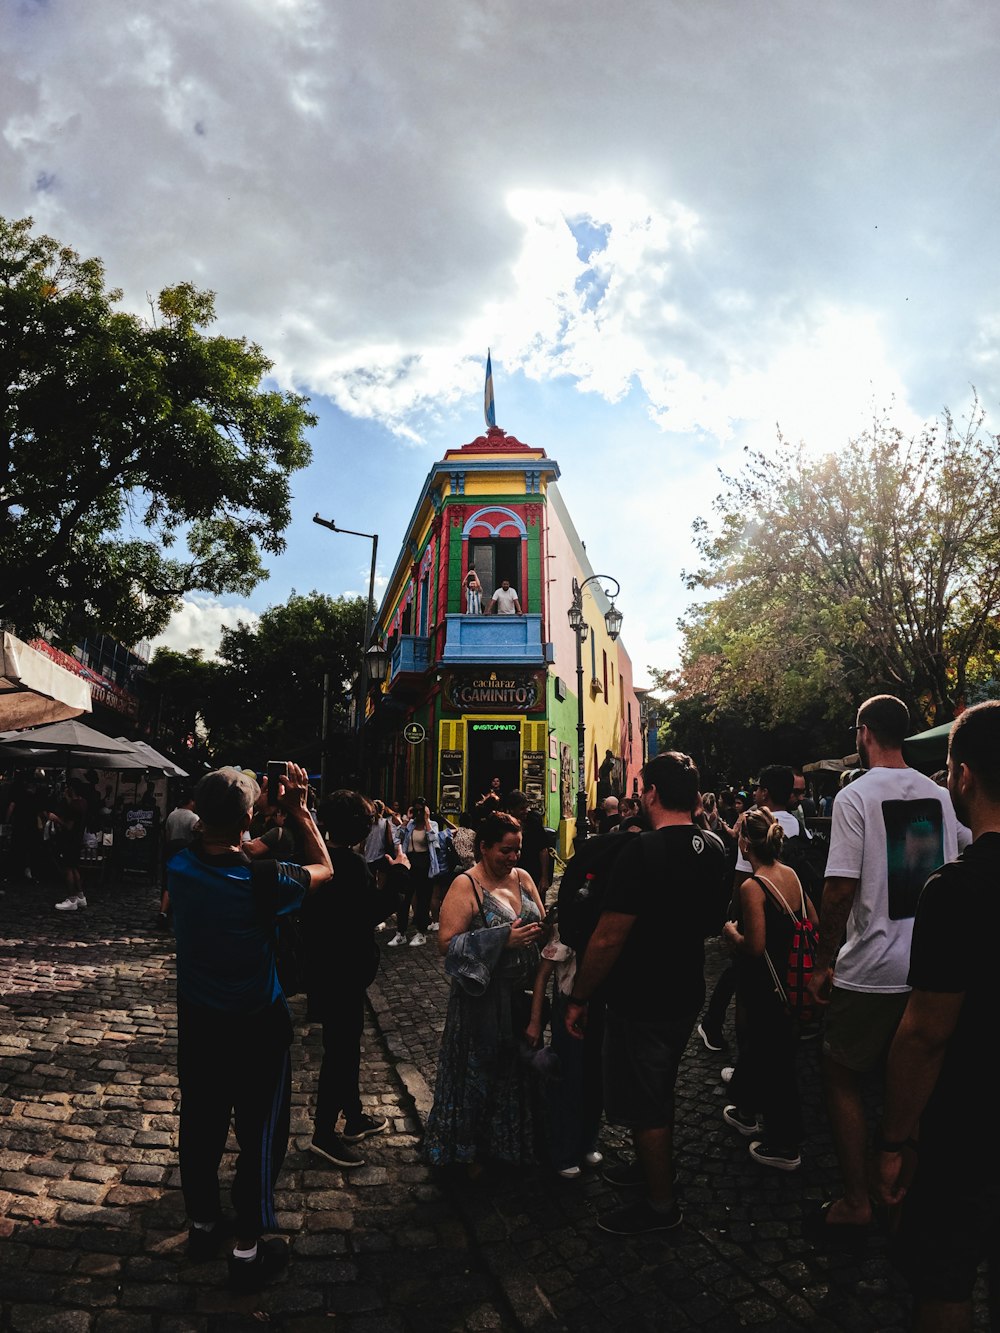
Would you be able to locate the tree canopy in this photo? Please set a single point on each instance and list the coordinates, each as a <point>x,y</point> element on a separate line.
<point>873,569</point>
<point>138,460</point>
<point>263,698</point>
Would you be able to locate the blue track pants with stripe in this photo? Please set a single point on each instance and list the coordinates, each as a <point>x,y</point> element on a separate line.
<point>233,1068</point>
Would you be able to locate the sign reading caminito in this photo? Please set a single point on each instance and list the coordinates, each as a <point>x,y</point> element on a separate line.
<point>514,689</point>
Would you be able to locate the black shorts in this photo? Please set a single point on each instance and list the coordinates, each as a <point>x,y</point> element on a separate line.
<point>640,1068</point>
<point>950,1224</point>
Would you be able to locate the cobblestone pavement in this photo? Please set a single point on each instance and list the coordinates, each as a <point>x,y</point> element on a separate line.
<point>91,1217</point>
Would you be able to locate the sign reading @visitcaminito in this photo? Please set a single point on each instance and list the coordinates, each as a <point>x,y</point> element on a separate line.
<point>516,690</point>
<point>414,733</point>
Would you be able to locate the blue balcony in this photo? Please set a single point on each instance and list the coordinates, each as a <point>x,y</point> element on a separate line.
<point>410,657</point>
<point>492,640</point>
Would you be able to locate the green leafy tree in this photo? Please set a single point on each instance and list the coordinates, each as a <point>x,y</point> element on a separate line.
<point>877,568</point>
<point>180,691</point>
<point>263,698</point>
<point>138,461</point>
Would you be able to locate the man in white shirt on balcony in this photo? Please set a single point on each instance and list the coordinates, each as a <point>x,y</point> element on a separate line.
<point>504,601</point>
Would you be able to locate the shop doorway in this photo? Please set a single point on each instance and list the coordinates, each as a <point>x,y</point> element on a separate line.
<point>494,751</point>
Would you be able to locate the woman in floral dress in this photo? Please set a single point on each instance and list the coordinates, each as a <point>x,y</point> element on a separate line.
<point>482,1094</point>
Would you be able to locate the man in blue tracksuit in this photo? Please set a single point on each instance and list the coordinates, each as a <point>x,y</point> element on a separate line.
<point>233,1025</point>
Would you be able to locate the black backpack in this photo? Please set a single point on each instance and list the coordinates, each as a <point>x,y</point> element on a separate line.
<point>583,886</point>
<point>588,873</point>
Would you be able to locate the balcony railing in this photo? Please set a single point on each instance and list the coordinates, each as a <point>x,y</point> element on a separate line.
<point>411,656</point>
<point>489,640</point>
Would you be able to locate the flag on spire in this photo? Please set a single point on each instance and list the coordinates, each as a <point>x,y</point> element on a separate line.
<point>488,405</point>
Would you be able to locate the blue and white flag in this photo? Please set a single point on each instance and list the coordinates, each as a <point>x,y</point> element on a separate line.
<point>488,405</point>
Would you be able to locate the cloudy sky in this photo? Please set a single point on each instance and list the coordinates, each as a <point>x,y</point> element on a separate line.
<point>676,223</point>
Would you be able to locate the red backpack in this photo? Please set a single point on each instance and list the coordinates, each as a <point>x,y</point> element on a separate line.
<point>801,961</point>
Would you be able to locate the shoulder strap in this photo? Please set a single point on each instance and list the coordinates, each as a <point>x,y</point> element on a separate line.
<point>762,881</point>
<point>475,892</point>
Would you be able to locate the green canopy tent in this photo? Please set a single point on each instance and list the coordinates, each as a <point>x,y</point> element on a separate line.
<point>928,750</point>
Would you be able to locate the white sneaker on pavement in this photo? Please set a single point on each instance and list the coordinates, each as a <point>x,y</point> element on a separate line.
<point>418,939</point>
<point>70,904</point>
<point>398,938</point>
<point>435,925</point>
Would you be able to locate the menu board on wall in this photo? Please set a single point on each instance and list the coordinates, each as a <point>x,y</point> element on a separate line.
<point>533,766</point>
<point>451,781</point>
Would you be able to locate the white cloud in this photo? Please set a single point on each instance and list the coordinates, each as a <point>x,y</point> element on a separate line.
<point>199,624</point>
<point>713,217</point>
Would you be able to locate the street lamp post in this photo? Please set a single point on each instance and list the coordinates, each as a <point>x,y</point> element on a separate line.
<point>579,626</point>
<point>363,672</point>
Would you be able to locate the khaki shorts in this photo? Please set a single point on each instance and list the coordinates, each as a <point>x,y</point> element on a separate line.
<point>859,1027</point>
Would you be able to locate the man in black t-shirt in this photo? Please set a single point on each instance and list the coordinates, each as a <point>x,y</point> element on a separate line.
<point>938,1072</point>
<point>668,891</point>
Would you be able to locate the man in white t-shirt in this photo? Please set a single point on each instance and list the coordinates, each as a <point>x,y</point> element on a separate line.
<point>892,827</point>
<point>773,792</point>
<point>504,601</point>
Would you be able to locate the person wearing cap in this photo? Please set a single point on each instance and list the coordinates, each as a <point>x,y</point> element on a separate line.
<point>233,1026</point>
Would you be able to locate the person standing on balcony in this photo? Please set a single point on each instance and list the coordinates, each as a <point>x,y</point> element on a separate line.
<point>473,594</point>
<point>504,601</point>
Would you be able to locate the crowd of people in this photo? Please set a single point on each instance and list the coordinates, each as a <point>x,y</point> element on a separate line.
<point>57,828</point>
<point>886,943</point>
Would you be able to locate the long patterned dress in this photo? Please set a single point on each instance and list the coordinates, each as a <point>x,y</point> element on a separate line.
<point>482,1094</point>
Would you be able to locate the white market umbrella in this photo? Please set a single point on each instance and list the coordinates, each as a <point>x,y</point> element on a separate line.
<point>157,760</point>
<point>67,736</point>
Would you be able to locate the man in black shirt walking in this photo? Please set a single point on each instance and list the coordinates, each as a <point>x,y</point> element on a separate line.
<point>667,892</point>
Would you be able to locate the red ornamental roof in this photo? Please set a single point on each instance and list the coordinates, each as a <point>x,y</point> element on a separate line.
<point>496,441</point>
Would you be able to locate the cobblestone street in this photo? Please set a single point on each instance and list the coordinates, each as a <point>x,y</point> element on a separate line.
<point>93,1225</point>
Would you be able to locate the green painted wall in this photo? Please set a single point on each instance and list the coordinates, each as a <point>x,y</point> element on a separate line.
<point>562,716</point>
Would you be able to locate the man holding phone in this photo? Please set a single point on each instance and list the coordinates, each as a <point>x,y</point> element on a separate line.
<point>233,1026</point>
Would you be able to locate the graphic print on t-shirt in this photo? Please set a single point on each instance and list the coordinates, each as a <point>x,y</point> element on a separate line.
<point>914,848</point>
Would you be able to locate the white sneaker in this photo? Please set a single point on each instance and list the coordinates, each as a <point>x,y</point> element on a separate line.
<point>71,903</point>
<point>594,1158</point>
<point>398,938</point>
<point>727,1073</point>
<point>571,1173</point>
<point>418,939</point>
<point>435,925</point>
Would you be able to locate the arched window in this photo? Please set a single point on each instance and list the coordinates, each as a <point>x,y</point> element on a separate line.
<point>494,537</point>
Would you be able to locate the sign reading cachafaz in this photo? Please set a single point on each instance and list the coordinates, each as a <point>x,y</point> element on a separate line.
<point>515,689</point>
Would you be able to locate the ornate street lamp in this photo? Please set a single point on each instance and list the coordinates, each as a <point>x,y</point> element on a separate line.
<point>378,664</point>
<point>579,626</point>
